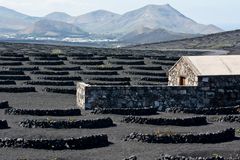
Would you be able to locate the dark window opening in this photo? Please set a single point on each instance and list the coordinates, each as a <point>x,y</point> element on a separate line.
<point>182,81</point>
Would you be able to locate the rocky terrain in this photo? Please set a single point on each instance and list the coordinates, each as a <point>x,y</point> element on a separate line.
<point>225,40</point>
<point>37,124</point>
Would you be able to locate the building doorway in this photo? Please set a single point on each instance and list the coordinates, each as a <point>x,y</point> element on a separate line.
<point>182,81</point>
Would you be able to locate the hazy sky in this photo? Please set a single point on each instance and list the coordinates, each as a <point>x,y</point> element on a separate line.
<point>223,13</point>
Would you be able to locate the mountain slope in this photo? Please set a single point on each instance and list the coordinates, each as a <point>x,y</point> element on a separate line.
<point>154,17</point>
<point>93,20</point>
<point>53,29</point>
<point>152,23</point>
<point>12,20</point>
<point>152,36</point>
<point>226,40</point>
<point>59,16</point>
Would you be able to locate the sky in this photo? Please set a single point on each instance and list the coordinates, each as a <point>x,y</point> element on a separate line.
<point>223,13</point>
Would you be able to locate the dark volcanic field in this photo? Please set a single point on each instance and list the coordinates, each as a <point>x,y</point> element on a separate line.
<point>109,66</point>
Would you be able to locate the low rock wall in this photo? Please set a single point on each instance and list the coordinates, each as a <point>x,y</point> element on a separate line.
<point>193,121</point>
<point>230,118</point>
<point>3,124</point>
<point>4,104</point>
<point>88,142</point>
<point>218,137</point>
<point>58,124</point>
<point>37,112</point>
<point>17,89</point>
<point>207,111</point>
<point>126,111</point>
<point>60,90</point>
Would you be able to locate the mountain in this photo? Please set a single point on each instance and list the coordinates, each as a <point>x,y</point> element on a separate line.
<point>147,35</point>
<point>155,17</point>
<point>152,23</point>
<point>13,20</point>
<point>92,21</point>
<point>59,16</point>
<point>225,40</point>
<point>53,29</point>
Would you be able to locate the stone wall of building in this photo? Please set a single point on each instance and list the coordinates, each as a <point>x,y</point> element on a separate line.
<point>182,69</point>
<point>221,90</point>
<point>213,91</point>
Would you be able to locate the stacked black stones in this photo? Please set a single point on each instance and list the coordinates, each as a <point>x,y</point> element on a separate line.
<point>126,111</point>
<point>61,124</point>
<point>230,118</point>
<point>193,121</point>
<point>221,136</point>
<point>3,124</point>
<point>4,104</point>
<point>60,90</point>
<point>57,144</point>
<point>170,157</point>
<point>207,111</point>
<point>37,112</point>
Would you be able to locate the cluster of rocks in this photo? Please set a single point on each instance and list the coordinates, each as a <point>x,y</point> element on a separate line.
<point>96,123</point>
<point>218,137</point>
<point>60,90</point>
<point>131,158</point>
<point>14,58</point>
<point>4,104</point>
<point>11,63</point>
<point>50,72</point>
<point>63,68</point>
<point>170,157</point>
<point>3,124</point>
<point>126,111</point>
<point>46,63</point>
<point>193,121</point>
<point>17,89</point>
<point>37,112</point>
<point>207,111</point>
<point>7,72</point>
<point>14,77</point>
<point>42,58</point>
<point>7,82</point>
<point>87,142</point>
<point>93,82</point>
<point>61,78</point>
<point>33,68</point>
<point>51,83</point>
<point>87,62</point>
<point>229,118</point>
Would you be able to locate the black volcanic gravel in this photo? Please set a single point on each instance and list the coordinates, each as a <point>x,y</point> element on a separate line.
<point>41,59</point>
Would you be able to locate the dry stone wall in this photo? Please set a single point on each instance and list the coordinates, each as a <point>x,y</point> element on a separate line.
<point>215,91</point>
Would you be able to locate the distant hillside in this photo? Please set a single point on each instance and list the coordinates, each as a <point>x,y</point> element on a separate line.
<point>59,16</point>
<point>53,29</point>
<point>151,36</point>
<point>93,21</point>
<point>155,17</point>
<point>226,40</point>
<point>151,23</point>
<point>13,20</point>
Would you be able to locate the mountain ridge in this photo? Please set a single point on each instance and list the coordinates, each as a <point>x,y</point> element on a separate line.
<point>229,40</point>
<point>53,28</point>
<point>162,20</point>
